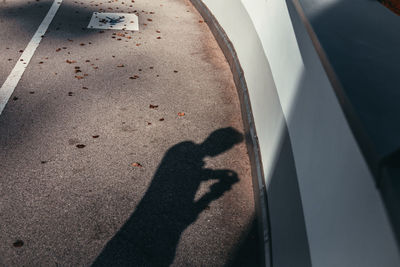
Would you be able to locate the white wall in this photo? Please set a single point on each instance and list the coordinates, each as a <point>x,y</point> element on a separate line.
<point>344,217</point>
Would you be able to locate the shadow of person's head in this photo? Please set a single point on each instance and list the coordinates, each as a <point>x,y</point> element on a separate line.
<point>220,141</point>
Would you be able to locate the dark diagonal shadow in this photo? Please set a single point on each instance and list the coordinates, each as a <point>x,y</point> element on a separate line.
<point>151,234</point>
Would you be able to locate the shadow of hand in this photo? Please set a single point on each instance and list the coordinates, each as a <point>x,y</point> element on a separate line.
<point>226,179</point>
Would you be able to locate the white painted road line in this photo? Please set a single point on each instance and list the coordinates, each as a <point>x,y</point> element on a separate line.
<point>9,85</point>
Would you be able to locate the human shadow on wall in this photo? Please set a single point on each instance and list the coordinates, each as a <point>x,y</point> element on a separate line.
<point>151,234</point>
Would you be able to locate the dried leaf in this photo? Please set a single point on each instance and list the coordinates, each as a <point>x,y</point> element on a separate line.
<point>18,243</point>
<point>134,77</point>
<point>120,66</point>
<point>79,77</point>
<point>70,61</point>
<point>137,164</point>
<point>153,106</point>
<point>58,49</point>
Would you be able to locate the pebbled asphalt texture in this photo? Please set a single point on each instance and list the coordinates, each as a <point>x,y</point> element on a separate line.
<point>131,154</point>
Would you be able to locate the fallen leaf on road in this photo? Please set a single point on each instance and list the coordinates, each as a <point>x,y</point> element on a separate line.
<point>18,243</point>
<point>180,114</point>
<point>137,164</point>
<point>70,61</point>
<point>58,49</point>
<point>153,106</point>
<point>79,77</point>
<point>80,145</point>
<point>120,66</point>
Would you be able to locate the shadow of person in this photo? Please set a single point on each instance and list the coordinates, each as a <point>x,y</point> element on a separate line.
<point>151,234</point>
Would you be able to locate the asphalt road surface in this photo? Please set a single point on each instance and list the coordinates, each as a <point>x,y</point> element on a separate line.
<point>121,148</point>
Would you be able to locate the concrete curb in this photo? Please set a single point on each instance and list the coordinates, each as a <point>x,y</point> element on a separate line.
<point>252,144</point>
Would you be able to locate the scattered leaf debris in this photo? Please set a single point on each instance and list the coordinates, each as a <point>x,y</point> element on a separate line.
<point>96,136</point>
<point>70,61</point>
<point>80,145</point>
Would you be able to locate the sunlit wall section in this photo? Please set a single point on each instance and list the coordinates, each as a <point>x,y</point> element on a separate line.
<point>324,207</point>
